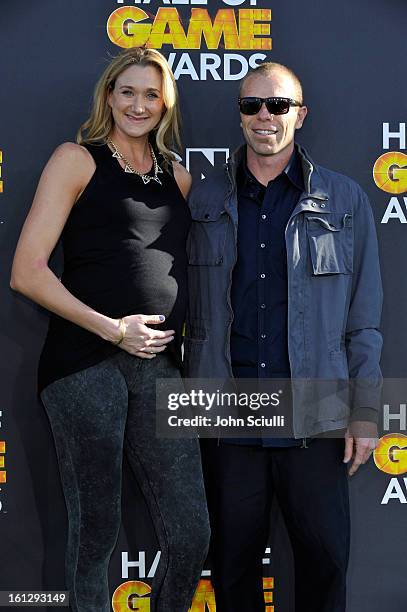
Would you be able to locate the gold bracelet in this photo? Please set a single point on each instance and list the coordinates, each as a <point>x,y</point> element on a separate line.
<point>122,328</point>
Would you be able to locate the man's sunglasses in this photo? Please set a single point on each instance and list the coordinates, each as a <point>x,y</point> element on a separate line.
<point>275,106</point>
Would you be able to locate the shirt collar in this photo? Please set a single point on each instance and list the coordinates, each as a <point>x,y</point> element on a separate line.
<point>293,171</point>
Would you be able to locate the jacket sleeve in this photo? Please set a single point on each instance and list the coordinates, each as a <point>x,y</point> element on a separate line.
<point>363,339</point>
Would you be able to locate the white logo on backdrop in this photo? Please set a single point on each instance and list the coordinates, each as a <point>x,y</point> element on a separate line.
<point>200,161</point>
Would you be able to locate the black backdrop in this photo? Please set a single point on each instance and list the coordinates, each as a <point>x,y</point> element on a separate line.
<point>350,57</point>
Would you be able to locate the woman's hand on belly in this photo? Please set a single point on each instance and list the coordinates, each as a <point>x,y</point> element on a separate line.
<point>144,341</point>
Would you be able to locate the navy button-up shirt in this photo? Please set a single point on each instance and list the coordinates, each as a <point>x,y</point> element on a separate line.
<point>259,339</point>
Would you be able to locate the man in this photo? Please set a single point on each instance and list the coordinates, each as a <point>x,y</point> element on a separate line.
<point>284,282</point>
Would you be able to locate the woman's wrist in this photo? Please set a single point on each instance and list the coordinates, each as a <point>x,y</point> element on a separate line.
<point>112,330</point>
<point>122,332</point>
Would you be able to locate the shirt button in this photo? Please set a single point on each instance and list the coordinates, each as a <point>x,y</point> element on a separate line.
<point>264,216</point>
<point>262,276</point>
<point>262,336</point>
<point>262,245</point>
<point>262,306</point>
<point>263,365</point>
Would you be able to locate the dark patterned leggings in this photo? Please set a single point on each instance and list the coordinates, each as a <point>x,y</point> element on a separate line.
<point>95,414</point>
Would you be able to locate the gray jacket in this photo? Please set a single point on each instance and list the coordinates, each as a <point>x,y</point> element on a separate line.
<point>334,293</point>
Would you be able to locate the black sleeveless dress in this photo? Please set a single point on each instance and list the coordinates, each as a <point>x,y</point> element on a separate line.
<point>124,253</point>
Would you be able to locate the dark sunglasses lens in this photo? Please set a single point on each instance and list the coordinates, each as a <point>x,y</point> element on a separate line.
<point>278,107</point>
<point>250,106</point>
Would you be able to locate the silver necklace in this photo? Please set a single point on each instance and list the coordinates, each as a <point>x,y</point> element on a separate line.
<point>146,178</point>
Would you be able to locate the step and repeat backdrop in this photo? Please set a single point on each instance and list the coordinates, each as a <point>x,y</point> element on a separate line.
<point>350,57</point>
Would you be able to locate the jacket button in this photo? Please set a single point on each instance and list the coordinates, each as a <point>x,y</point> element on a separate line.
<point>262,306</point>
<point>263,365</point>
<point>264,216</point>
<point>313,204</point>
<point>262,276</point>
<point>262,336</point>
<point>262,245</point>
<point>322,205</point>
<point>207,216</point>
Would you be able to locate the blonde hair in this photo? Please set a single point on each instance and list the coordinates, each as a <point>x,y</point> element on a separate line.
<point>100,123</point>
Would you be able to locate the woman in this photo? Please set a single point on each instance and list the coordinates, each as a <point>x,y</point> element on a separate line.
<point>117,200</point>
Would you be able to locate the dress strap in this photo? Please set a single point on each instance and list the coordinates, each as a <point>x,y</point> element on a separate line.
<point>98,151</point>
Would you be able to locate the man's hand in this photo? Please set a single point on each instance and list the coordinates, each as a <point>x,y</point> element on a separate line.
<point>357,446</point>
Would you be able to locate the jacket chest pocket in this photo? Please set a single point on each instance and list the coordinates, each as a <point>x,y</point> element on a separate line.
<point>207,237</point>
<point>330,241</point>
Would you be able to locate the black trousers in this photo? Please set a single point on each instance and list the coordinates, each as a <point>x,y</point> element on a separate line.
<point>96,415</point>
<point>312,489</point>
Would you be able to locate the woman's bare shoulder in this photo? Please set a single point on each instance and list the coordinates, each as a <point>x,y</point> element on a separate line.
<point>183,178</point>
<point>72,153</point>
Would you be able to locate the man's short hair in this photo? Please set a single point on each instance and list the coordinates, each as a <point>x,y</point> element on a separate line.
<point>267,68</point>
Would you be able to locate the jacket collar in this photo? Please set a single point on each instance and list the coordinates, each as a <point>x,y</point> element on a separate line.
<point>314,184</point>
